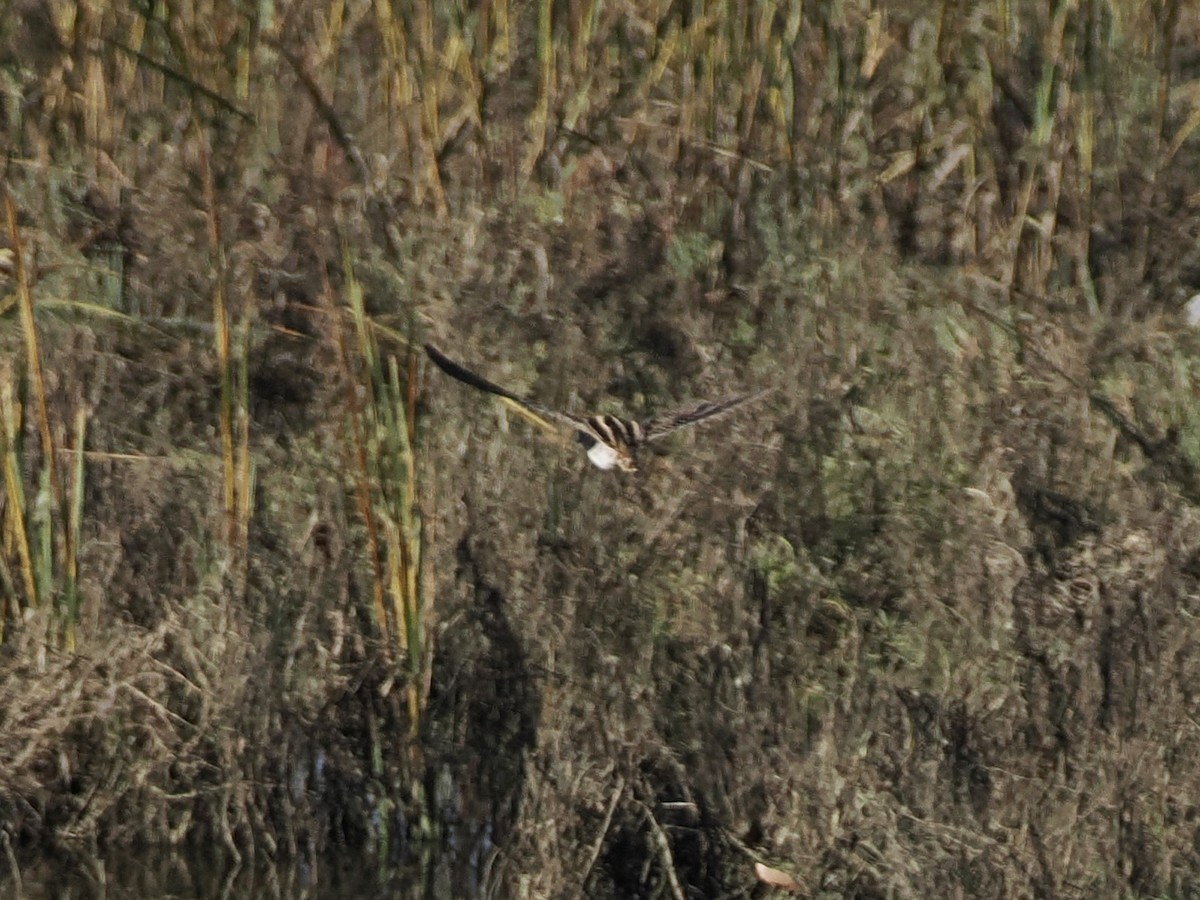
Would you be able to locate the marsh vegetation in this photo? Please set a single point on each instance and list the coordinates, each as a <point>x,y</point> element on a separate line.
<point>279,601</point>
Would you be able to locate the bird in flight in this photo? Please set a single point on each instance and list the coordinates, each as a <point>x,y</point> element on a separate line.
<point>610,441</point>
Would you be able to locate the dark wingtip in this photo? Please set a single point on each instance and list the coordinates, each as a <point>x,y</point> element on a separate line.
<point>445,363</point>
<point>465,375</point>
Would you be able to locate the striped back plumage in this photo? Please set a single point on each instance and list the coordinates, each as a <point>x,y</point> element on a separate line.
<point>617,431</point>
<point>610,441</point>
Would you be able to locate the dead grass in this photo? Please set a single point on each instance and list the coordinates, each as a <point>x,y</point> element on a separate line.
<point>920,625</point>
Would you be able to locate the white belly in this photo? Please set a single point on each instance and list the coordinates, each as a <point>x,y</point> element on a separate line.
<point>602,455</point>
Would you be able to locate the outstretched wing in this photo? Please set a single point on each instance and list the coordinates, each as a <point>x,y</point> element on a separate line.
<point>466,376</point>
<point>662,425</point>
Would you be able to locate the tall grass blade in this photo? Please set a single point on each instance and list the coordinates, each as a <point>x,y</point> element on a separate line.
<point>539,118</point>
<point>221,338</point>
<point>389,471</point>
<point>244,475</point>
<point>74,529</point>
<point>32,351</point>
<point>16,531</point>
<point>41,523</point>
<point>358,414</point>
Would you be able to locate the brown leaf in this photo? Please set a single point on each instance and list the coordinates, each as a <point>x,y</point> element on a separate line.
<point>775,877</point>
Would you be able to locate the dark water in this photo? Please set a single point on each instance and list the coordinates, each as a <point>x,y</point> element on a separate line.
<point>453,866</point>
<point>125,879</point>
<point>455,870</point>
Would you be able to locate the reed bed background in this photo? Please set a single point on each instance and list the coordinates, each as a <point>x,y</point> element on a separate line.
<point>921,624</point>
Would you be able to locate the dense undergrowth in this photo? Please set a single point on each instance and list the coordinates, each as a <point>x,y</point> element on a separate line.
<point>922,623</point>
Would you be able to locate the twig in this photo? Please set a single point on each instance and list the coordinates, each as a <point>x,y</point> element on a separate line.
<point>664,849</point>
<point>184,80</point>
<point>1177,466</point>
<point>324,108</point>
<point>11,857</point>
<point>600,838</point>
